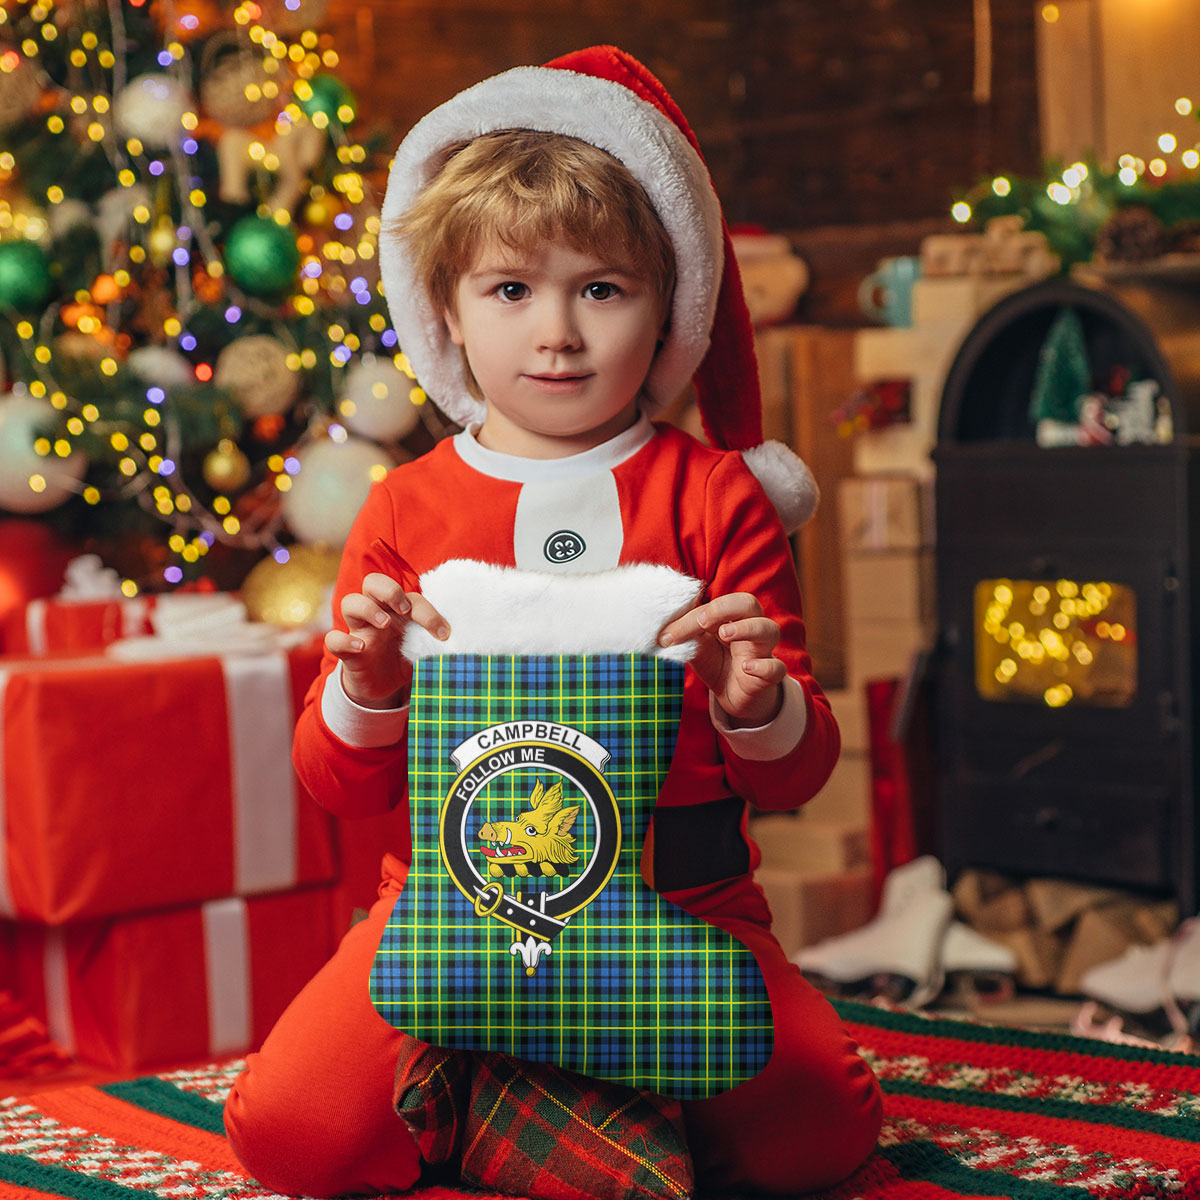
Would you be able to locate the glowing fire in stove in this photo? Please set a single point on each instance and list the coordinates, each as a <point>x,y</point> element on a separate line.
<point>1056,641</point>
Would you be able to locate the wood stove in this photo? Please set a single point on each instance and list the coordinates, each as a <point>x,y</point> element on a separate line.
<point>1067,663</point>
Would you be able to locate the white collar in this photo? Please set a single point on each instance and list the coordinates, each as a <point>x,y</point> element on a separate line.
<point>514,469</point>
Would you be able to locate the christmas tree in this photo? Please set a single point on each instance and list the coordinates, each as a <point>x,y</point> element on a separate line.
<point>196,357</point>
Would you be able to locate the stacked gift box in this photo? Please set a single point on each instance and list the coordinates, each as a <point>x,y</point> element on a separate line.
<point>167,884</point>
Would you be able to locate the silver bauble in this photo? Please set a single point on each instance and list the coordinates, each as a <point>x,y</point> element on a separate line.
<point>375,400</point>
<point>330,487</point>
<point>150,108</point>
<point>30,482</point>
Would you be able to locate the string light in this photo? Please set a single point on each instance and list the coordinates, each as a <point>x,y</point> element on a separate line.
<point>165,224</point>
<point>1046,639</point>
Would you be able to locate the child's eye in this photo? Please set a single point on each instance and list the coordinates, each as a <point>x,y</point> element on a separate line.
<point>601,291</point>
<point>512,291</point>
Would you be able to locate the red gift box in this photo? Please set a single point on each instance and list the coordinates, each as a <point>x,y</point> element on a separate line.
<point>173,987</point>
<point>52,625</point>
<point>131,786</point>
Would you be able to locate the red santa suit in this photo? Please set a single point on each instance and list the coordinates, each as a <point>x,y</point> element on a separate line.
<point>313,1112</point>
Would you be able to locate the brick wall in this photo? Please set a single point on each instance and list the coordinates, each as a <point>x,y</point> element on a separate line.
<point>810,113</point>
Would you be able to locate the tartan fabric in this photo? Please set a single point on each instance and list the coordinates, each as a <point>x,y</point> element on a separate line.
<point>527,1129</point>
<point>633,989</point>
<point>533,1130</point>
<point>432,1089</point>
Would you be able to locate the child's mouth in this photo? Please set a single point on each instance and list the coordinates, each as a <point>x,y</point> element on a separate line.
<point>558,383</point>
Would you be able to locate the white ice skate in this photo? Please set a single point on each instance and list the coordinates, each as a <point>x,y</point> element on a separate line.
<point>980,966</point>
<point>898,953</point>
<point>1155,987</point>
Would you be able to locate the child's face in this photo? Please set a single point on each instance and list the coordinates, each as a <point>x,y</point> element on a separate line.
<point>559,343</point>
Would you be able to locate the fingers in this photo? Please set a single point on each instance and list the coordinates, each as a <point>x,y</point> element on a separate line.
<point>424,614</point>
<point>766,672</point>
<point>343,645</point>
<point>707,618</point>
<point>756,636</point>
<point>384,605</point>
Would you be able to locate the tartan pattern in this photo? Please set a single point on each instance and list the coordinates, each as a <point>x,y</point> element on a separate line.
<point>635,990</point>
<point>432,1088</point>
<point>527,1129</point>
<point>533,1130</point>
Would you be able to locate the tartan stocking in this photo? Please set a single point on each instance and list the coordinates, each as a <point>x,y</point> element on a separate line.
<point>525,926</point>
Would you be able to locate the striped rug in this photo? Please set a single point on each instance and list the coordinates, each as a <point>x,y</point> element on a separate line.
<point>972,1111</point>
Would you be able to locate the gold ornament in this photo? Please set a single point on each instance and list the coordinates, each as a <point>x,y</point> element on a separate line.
<point>295,593</point>
<point>255,370</point>
<point>317,213</point>
<point>226,468</point>
<point>162,242</point>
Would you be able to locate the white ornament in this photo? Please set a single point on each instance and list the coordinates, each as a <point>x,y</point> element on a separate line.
<point>228,84</point>
<point>375,400</point>
<point>29,482</point>
<point>330,488</point>
<point>151,108</point>
<point>255,370</point>
<point>66,215</point>
<point>162,366</point>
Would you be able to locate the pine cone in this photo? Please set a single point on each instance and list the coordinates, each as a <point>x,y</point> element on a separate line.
<point>1132,234</point>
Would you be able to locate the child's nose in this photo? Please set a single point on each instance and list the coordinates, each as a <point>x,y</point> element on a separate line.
<point>558,330</point>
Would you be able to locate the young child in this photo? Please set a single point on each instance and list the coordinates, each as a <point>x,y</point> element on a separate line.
<point>557,267</point>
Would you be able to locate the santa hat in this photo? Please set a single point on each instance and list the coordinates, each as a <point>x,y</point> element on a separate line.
<point>607,98</point>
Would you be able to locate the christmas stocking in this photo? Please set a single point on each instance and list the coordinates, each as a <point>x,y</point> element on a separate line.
<point>525,926</point>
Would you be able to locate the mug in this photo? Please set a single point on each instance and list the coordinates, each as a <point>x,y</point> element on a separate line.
<point>886,294</point>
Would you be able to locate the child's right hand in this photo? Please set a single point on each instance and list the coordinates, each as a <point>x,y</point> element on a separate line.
<point>374,674</point>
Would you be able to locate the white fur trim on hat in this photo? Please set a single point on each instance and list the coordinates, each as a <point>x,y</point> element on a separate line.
<point>506,610</point>
<point>604,114</point>
<point>786,479</point>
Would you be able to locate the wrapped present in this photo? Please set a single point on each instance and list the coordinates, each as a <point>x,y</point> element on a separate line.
<point>129,786</point>
<point>177,986</point>
<point>52,624</point>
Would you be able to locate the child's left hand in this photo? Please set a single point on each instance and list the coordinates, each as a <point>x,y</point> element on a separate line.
<point>734,655</point>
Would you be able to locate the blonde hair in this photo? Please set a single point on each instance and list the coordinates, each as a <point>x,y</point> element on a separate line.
<point>521,188</point>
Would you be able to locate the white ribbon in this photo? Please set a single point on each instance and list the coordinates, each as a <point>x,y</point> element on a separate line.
<point>227,975</point>
<point>57,981</point>
<point>226,970</point>
<point>35,626</point>
<point>134,615</point>
<point>258,702</point>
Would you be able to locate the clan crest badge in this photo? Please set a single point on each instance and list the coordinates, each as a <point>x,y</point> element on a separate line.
<point>497,864</point>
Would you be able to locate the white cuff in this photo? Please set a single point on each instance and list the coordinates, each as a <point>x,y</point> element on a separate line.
<point>777,738</point>
<point>356,725</point>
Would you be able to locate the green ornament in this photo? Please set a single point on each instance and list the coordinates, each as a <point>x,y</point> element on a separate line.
<point>24,275</point>
<point>1064,375</point>
<point>328,95</point>
<point>262,256</point>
